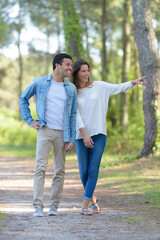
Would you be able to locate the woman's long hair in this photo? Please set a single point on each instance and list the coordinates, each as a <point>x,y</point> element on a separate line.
<point>75,69</point>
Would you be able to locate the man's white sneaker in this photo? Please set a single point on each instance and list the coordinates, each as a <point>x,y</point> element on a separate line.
<point>52,211</point>
<point>38,212</point>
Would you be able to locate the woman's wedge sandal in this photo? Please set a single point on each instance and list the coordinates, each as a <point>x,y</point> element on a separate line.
<point>86,212</point>
<point>95,208</point>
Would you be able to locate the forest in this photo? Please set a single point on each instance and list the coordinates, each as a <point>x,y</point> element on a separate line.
<point>121,41</point>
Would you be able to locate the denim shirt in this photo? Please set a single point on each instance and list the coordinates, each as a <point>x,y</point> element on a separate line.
<point>39,87</point>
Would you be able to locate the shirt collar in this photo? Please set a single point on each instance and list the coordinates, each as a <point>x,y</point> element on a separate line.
<point>49,78</point>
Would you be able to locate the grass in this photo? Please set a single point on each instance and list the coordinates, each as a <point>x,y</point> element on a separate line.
<point>139,177</point>
<point>137,181</point>
<point>136,219</point>
<point>2,216</point>
<point>17,151</point>
<point>111,160</point>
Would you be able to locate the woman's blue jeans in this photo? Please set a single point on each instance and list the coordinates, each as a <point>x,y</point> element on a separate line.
<point>89,160</point>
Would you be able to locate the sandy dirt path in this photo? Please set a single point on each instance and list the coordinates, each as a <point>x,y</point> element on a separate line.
<point>16,188</point>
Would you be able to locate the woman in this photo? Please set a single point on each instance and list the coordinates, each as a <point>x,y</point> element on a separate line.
<point>90,140</point>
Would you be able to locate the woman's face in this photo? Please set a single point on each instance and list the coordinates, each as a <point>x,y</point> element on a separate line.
<point>83,75</point>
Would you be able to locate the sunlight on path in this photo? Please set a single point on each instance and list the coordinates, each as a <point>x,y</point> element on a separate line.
<point>16,184</point>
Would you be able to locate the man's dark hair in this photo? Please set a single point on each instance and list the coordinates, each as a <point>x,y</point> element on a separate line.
<point>59,59</point>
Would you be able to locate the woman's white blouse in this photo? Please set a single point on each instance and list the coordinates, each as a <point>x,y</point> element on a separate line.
<point>93,106</point>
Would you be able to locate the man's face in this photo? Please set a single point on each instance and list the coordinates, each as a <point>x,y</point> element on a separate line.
<point>66,68</point>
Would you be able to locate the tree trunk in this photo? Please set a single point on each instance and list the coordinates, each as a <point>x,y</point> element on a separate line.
<point>58,35</point>
<point>20,69</point>
<point>89,59</point>
<point>47,54</point>
<point>149,65</point>
<point>135,69</point>
<point>20,61</point>
<point>20,73</point>
<point>126,62</point>
<point>103,51</point>
<point>87,37</point>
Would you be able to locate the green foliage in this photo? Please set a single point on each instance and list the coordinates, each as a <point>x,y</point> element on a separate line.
<point>71,26</point>
<point>14,132</point>
<point>33,67</point>
<point>128,141</point>
<point>5,29</point>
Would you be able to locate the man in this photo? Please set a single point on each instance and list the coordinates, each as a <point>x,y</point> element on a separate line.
<point>56,104</point>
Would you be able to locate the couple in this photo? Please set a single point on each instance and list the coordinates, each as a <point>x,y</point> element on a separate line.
<point>68,114</point>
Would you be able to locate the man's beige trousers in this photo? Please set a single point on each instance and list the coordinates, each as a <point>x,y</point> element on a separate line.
<point>45,138</point>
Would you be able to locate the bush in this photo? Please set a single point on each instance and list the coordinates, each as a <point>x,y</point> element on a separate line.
<point>13,131</point>
<point>129,140</point>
